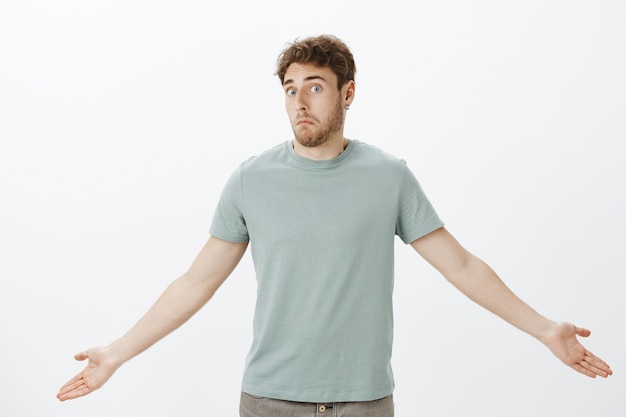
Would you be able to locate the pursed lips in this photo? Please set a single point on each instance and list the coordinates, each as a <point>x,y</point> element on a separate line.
<point>304,121</point>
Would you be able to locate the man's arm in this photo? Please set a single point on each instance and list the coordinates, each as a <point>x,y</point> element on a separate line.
<point>479,282</point>
<point>180,300</point>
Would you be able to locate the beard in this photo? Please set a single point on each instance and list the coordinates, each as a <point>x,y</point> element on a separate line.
<point>311,139</point>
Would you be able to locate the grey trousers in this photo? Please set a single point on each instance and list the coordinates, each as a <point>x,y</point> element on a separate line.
<point>253,406</point>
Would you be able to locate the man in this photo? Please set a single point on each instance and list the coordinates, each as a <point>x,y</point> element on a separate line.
<point>321,213</point>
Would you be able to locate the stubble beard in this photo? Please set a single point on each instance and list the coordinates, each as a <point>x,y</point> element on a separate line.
<point>333,125</point>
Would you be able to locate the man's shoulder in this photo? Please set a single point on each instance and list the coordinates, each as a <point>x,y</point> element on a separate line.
<point>265,158</point>
<point>374,155</point>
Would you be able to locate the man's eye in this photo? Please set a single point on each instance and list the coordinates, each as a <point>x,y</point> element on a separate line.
<point>291,92</point>
<point>316,89</point>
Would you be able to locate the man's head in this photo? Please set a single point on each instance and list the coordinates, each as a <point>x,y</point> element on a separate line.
<point>317,75</point>
<point>324,51</point>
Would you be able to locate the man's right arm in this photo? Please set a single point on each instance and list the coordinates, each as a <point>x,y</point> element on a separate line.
<point>179,302</point>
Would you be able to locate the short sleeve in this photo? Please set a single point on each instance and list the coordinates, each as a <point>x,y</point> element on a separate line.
<point>416,215</point>
<point>228,220</point>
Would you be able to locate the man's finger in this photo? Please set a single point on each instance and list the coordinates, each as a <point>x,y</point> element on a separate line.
<point>580,331</point>
<point>81,356</point>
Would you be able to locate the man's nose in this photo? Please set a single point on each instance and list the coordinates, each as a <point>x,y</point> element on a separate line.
<point>301,102</point>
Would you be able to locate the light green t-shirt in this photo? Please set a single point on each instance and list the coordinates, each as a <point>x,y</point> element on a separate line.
<point>322,241</point>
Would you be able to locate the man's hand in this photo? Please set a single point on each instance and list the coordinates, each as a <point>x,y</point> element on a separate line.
<point>98,370</point>
<point>562,341</point>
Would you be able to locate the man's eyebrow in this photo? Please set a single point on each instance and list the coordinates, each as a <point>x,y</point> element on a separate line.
<point>309,78</point>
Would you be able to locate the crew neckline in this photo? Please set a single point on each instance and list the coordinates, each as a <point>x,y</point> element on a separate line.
<point>320,164</point>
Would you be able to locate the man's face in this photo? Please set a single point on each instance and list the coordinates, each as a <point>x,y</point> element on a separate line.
<point>315,106</point>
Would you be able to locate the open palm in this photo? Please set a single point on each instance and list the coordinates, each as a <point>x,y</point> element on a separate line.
<point>563,342</point>
<point>98,370</point>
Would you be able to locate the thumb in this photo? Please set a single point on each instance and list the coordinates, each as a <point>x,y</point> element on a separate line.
<point>582,332</point>
<point>81,356</point>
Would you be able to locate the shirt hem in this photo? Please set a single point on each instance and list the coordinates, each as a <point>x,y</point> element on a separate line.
<point>311,397</point>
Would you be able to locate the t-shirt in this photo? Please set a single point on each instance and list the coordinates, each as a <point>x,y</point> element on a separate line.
<point>322,242</point>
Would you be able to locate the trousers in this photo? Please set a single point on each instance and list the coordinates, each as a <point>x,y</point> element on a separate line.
<point>253,406</point>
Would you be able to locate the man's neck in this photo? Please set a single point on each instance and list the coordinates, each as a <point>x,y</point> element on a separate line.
<point>328,150</point>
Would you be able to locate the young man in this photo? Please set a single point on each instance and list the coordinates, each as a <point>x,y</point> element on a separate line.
<point>321,213</point>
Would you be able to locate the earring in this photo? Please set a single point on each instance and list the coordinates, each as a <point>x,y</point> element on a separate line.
<point>347,107</point>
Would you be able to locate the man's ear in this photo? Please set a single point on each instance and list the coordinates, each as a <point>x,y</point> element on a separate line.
<point>349,90</point>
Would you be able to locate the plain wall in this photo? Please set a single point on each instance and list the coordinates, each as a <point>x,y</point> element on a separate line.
<point>121,120</point>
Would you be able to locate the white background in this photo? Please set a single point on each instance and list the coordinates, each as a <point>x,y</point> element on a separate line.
<point>121,120</point>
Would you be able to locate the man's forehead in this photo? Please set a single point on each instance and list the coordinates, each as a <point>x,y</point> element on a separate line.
<point>297,72</point>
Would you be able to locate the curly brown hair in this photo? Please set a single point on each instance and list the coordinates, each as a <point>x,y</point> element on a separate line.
<point>325,51</point>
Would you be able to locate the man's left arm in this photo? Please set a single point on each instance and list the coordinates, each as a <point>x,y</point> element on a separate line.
<point>481,284</point>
